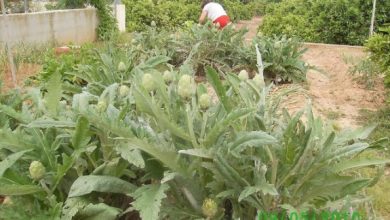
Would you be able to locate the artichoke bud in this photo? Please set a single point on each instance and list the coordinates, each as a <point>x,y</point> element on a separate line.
<point>101,106</point>
<point>204,101</point>
<point>123,90</point>
<point>243,75</point>
<point>336,126</point>
<point>209,208</point>
<point>148,82</point>
<point>37,170</point>
<point>7,201</point>
<point>121,66</point>
<point>185,89</point>
<point>258,81</point>
<point>168,76</point>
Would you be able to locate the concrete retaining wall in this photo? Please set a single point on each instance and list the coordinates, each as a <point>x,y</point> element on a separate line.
<point>62,26</point>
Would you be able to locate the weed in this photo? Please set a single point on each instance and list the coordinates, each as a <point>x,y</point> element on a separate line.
<point>333,115</point>
<point>365,71</point>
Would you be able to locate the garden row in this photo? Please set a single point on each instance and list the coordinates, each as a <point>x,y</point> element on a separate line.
<point>329,21</point>
<point>123,130</point>
<point>172,14</point>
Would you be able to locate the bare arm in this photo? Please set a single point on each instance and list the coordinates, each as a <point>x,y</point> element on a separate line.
<point>202,18</point>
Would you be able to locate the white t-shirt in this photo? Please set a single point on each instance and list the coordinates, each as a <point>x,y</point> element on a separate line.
<point>214,10</point>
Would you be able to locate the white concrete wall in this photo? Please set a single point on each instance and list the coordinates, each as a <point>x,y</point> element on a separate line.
<point>120,16</point>
<point>62,26</point>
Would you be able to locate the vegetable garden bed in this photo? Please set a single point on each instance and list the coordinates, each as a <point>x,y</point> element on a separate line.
<point>129,132</point>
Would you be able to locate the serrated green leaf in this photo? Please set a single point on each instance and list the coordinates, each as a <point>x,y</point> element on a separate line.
<point>99,212</point>
<point>226,194</point>
<point>19,190</point>
<point>145,104</point>
<point>54,93</point>
<point>10,160</point>
<point>213,78</point>
<point>108,184</point>
<point>219,127</point>
<point>154,61</point>
<point>148,200</point>
<point>203,153</point>
<point>51,124</point>
<point>357,163</point>
<point>80,137</point>
<point>13,114</point>
<point>264,188</point>
<point>131,155</point>
<point>72,207</point>
<point>253,138</point>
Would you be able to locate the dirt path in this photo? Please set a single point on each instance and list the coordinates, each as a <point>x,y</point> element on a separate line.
<point>252,26</point>
<point>333,93</point>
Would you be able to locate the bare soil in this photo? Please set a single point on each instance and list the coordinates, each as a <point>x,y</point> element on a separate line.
<point>24,71</point>
<point>251,25</point>
<point>333,92</point>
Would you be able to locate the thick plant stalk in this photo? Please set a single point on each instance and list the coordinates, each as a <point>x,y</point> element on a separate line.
<point>373,17</point>
<point>191,127</point>
<point>260,66</point>
<point>204,123</point>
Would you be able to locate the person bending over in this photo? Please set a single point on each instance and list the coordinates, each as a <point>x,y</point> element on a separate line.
<point>215,12</point>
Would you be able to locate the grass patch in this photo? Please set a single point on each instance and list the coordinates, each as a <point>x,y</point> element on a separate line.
<point>333,115</point>
<point>381,118</point>
<point>380,197</point>
<point>379,193</point>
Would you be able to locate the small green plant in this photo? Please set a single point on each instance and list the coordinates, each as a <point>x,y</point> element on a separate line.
<point>282,58</point>
<point>379,46</point>
<point>333,115</point>
<point>365,71</point>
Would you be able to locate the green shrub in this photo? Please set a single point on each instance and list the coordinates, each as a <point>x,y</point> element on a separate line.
<point>203,45</point>
<point>365,71</point>
<point>289,18</point>
<point>282,59</point>
<point>379,46</point>
<point>166,14</point>
<point>173,14</point>
<point>327,21</point>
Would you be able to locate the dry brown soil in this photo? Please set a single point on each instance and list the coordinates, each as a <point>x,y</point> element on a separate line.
<point>23,72</point>
<point>333,91</point>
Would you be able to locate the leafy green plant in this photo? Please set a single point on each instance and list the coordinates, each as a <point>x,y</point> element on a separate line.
<point>174,14</point>
<point>379,46</point>
<point>166,149</point>
<point>339,22</point>
<point>365,71</point>
<point>225,50</point>
<point>282,59</point>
